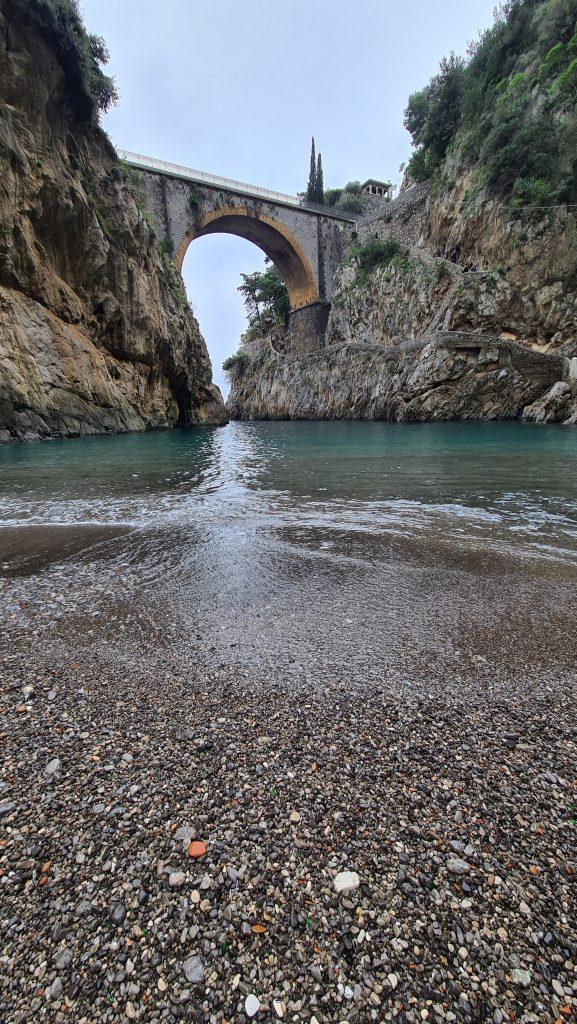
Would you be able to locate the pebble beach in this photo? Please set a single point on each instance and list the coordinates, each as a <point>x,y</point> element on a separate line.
<point>184,838</point>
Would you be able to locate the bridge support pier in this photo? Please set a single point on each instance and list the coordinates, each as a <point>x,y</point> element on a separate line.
<point>307,327</point>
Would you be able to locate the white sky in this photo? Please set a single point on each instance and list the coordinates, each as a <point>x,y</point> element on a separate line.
<point>237,87</point>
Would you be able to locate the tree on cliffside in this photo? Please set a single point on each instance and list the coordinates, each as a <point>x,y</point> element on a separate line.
<point>266,299</point>
<point>312,182</point>
<point>509,110</point>
<point>81,54</point>
<point>319,183</point>
<point>315,192</point>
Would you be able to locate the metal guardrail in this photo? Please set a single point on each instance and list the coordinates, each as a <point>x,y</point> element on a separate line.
<point>149,163</point>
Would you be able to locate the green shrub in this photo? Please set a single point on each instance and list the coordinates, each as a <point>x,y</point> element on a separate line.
<point>508,106</point>
<point>80,54</point>
<point>552,61</point>
<point>235,365</point>
<point>566,84</point>
<point>348,198</point>
<point>517,81</point>
<point>375,254</point>
<point>350,202</point>
<point>532,192</point>
<point>422,164</point>
<point>166,248</point>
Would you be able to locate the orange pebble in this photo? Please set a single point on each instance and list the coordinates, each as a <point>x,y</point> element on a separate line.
<point>197,849</point>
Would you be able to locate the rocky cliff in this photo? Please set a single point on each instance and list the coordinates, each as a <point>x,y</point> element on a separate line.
<point>419,338</point>
<point>458,299</point>
<point>95,331</point>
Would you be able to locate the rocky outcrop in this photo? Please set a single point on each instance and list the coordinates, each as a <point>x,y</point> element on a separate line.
<point>447,376</point>
<point>95,331</point>
<point>425,337</point>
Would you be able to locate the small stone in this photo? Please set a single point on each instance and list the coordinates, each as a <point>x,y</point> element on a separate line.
<point>162,985</point>
<point>525,909</point>
<point>458,866</point>
<point>558,988</point>
<point>346,881</point>
<point>6,807</point>
<point>117,913</point>
<point>56,988</point>
<point>193,969</point>
<point>63,959</point>
<point>53,766</point>
<point>184,835</point>
<point>251,1005</point>
<point>129,1011</point>
<point>176,879</point>
<point>279,1007</point>
<point>521,978</point>
<point>295,817</point>
<point>393,981</point>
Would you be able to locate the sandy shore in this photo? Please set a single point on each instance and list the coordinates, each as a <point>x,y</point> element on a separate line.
<point>449,791</point>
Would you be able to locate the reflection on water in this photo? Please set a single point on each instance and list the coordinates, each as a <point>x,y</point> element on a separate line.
<point>514,484</point>
<point>308,546</point>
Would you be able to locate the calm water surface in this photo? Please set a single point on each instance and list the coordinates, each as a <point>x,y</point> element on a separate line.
<point>510,483</point>
<point>340,540</point>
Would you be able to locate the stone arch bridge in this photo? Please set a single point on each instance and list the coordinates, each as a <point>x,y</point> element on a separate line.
<point>304,241</point>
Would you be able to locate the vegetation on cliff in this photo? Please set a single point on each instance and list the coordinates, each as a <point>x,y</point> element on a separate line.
<point>510,108</point>
<point>81,54</point>
<point>373,255</point>
<point>267,305</point>
<point>348,198</point>
<point>265,298</point>
<point>315,187</point>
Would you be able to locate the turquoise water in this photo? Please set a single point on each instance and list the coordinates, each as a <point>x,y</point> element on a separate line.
<point>512,483</point>
<point>287,548</point>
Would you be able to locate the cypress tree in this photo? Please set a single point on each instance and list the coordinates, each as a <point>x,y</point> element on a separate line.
<point>319,183</point>
<point>312,183</point>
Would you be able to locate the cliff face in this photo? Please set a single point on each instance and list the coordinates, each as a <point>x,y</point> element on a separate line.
<point>448,376</point>
<point>95,332</point>
<point>424,337</point>
<point>459,300</point>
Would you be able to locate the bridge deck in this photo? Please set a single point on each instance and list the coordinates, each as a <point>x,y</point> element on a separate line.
<point>148,163</point>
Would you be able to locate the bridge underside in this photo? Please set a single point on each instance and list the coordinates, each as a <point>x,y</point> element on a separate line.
<point>272,238</point>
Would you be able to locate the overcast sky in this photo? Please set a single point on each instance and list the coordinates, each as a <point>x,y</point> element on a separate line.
<point>237,87</point>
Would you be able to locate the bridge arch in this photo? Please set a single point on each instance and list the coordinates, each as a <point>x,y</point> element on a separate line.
<point>272,237</point>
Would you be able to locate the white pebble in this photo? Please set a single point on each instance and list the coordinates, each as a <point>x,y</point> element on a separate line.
<point>251,1005</point>
<point>346,881</point>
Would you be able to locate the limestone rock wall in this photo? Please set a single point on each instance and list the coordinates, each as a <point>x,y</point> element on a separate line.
<point>95,331</point>
<point>450,376</point>
<point>427,337</point>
